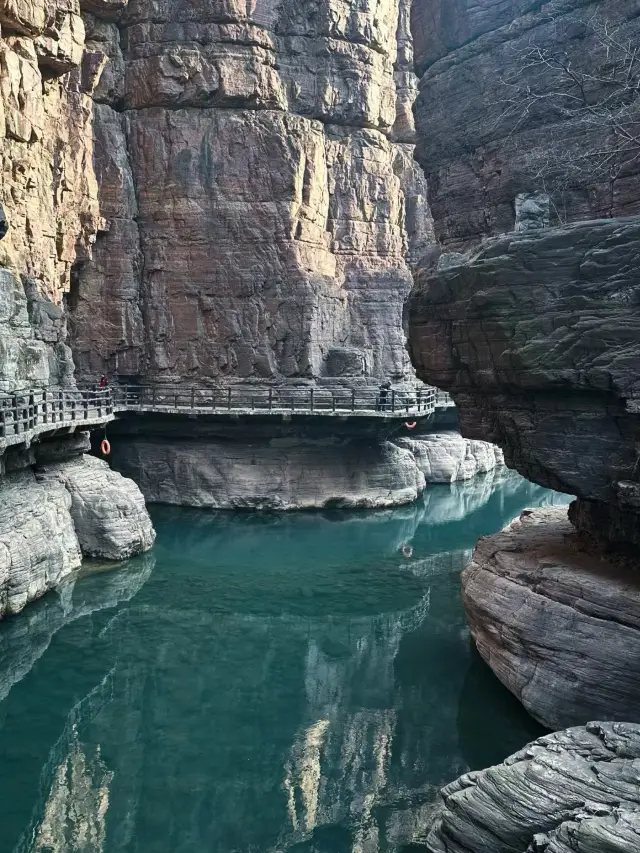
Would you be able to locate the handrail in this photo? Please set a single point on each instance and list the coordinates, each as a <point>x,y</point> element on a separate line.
<point>275,400</point>
<point>30,412</point>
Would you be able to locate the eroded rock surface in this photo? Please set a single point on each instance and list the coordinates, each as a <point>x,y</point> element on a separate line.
<point>574,791</point>
<point>557,621</point>
<point>275,474</point>
<point>108,510</point>
<point>447,457</point>
<point>39,548</point>
<point>56,506</point>
<point>257,180</point>
<point>537,338</point>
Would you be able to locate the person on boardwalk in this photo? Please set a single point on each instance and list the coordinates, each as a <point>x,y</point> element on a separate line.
<point>383,395</point>
<point>104,382</point>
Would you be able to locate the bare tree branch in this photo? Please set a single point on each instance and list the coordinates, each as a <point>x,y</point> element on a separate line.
<point>602,105</point>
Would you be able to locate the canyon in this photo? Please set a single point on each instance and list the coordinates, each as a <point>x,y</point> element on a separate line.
<point>236,194</point>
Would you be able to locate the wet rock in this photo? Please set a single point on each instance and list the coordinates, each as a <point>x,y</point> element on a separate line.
<point>574,791</point>
<point>557,621</point>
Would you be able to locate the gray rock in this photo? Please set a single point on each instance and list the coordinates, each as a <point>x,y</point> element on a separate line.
<point>4,223</point>
<point>39,548</point>
<point>279,473</point>
<point>533,210</point>
<point>574,791</point>
<point>447,457</point>
<point>537,338</point>
<point>108,510</point>
<point>557,621</point>
<point>482,140</point>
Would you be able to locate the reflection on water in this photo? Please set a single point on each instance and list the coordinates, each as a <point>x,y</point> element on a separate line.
<point>271,683</point>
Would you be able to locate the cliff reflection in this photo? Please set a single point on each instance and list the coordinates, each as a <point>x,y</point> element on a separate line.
<point>278,683</point>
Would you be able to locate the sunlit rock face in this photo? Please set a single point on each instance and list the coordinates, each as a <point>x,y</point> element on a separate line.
<point>48,188</point>
<point>482,142</point>
<point>574,791</point>
<point>256,174</point>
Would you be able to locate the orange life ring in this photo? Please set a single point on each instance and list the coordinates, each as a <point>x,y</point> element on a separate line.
<point>411,425</point>
<point>407,550</point>
<point>105,447</point>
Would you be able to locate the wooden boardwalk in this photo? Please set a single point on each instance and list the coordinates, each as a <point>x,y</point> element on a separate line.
<point>242,400</point>
<point>28,414</point>
<point>25,415</point>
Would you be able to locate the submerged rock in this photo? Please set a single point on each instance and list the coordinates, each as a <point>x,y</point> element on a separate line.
<point>574,791</point>
<point>447,457</point>
<point>557,621</point>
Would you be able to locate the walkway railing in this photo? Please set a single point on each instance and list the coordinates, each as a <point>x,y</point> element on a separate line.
<point>29,413</point>
<point>369,402</point>
<point>32,412</point>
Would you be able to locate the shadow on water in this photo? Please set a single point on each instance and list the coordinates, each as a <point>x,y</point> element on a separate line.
<point>258,683</point>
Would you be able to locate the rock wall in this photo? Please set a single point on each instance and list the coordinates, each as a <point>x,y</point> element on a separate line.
<point>536,337</point>
<point>491,124</point>
<point>48,187</point>
<point>256,177</point>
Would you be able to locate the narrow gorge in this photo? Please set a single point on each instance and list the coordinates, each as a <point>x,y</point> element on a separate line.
<point>376,260</point>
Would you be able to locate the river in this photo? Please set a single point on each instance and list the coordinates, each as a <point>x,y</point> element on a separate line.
<point>260,683</point>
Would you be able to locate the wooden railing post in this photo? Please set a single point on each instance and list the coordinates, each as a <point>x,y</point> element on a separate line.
<point>393,401</point>
<point>270,399</point>
<point>311,400</point>
<point>193,397</point>
<point>229,400</point>
<point>353,399</point>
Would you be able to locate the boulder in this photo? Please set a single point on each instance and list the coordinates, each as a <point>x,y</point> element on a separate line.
<point>557,620</point>
<point>574,791</point>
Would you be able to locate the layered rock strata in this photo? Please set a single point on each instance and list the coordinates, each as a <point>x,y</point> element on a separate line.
<point>257,180</point>
<point>536,337</point>
<point>57,506</point>
<point>574,791</point>
<point>557,623</point>
<point>253,463</point>
<point>447,457</point>
<point>497,115</point>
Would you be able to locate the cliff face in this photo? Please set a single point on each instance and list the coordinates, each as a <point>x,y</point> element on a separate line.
<point>497,115</point>
<point>48,186</point>
<point>537,339</point>
<point>56,504</point>
<point>255,168</point>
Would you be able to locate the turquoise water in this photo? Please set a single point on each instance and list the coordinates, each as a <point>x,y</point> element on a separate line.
<point>256,683</point>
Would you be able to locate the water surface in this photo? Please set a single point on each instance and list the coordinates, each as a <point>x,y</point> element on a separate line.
<point>257,683</point>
